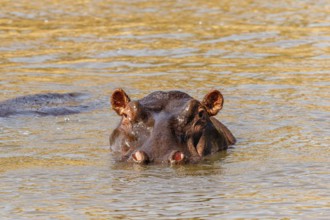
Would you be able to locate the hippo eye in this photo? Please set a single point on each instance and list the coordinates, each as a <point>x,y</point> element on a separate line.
<point>201,113</point>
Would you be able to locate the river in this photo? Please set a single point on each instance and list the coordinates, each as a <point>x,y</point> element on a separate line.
<point>270,60</point>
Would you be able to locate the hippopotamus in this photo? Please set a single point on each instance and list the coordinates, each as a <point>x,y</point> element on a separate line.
<point>48,104</point>
<point>168,127</point>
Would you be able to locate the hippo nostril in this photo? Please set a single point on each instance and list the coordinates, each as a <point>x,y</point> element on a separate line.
<point>140,157</point>
<point>176,157</point>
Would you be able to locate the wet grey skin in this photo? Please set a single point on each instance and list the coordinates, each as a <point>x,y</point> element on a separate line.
<point>49,104</point>
<point>168,127</point>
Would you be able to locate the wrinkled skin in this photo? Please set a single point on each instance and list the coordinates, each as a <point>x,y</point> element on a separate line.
<point>168,127</point>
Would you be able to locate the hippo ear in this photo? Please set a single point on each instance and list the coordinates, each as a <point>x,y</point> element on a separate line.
<point>119,101</point>
<point>213,101</point>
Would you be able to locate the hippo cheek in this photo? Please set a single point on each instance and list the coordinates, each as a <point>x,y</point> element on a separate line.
<point>197,146</point>
<point>201,146</point>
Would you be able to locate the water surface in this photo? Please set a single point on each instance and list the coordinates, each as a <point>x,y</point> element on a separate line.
<point>270,59</point>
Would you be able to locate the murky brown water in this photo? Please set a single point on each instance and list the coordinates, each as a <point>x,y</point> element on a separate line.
<point>270,59</point>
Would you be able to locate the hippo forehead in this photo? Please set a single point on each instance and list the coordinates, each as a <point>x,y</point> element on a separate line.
<point>171,101</point>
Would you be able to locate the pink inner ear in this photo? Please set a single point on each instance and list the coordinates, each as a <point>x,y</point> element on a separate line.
<point>213,102</point>
<point>214,97</point>
<point>119,100</point>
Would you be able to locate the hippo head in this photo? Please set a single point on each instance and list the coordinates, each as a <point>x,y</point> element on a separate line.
<point>168,127</point>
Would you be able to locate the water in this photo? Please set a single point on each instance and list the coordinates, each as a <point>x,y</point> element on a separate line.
<point>269,59</point>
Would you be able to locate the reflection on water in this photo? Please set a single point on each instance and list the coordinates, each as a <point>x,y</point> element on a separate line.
<point>269,59</point>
